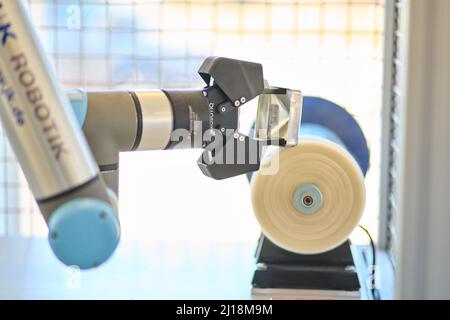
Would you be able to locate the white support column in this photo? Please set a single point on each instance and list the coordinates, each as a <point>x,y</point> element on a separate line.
<point>423,252</point>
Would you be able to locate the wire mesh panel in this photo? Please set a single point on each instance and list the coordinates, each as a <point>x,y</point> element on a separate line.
<point>9,188</point>
<point>395,95</point>
<point>327,48</point>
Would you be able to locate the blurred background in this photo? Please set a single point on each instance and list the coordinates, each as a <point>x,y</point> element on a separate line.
<point>386,61</point>
<point>327,48</point>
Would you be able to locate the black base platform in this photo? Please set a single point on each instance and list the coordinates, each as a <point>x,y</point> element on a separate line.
<point>277,268</point>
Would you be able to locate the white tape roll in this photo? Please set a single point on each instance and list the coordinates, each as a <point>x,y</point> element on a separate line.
<point>313,201</point>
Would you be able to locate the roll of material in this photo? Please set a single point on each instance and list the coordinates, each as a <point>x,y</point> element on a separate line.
<point>315,198</point>
<point>318,170</point>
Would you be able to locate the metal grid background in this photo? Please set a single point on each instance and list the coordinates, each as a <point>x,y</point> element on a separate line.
<point>150,44</point>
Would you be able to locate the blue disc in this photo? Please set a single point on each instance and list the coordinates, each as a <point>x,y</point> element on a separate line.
<point>84,232</point>
<point>308,191</point>
<point>79,101</point>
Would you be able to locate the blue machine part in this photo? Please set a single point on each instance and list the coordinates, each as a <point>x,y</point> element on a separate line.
<point>79,102</point>
<point>318,131</point>
<point>323,118</point>
<point>84,232</point>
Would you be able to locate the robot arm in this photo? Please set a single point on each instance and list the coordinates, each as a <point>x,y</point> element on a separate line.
<point>118,121</point>
<point>69,172</point>
<point>50,147</point>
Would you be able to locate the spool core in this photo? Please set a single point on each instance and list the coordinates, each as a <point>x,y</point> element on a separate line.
<point>308,199</point>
